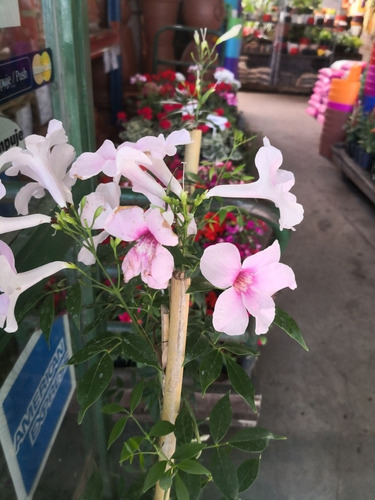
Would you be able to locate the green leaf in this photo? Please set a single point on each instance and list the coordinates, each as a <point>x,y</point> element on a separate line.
<point>182,493</point>
<point>224,474</point>
<point>240,381</point>
<point>247,473</point>
<point>253,439</point>
<point>136,396</point>
<point>197,345</point>
<point>139,349</point>
<point>94,487</point>
<point>94,347</point>
<point>210,369</point>
<point>165,482</point>
<point>154,474</point>
<point>73,303</point>
<point>193,467</point>
<point>47,315</point>
<point>111,408</point>
<point>239,349</point>
<point>199,284</point>
<point>130,447</point>
<point>188,450</point>
<point>161,428</point>
<point>220,418</point>
<point>93,384</point>
<point>100,317</point>
<point>286,323</point>
<point>192,482</point>
<point>117,430</point>
<point>185,425</point>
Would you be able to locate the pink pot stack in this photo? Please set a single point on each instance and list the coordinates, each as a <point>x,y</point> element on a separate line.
<point>317,104</point>
<point>342,96</point>
<point>369,88</point>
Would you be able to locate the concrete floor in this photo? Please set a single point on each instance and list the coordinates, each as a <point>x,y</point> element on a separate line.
<point>323,400</point>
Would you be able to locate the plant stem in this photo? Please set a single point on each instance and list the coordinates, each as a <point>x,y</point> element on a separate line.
<point>178,322</point>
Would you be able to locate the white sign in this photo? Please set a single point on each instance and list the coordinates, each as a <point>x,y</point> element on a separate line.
<point>9,13</point>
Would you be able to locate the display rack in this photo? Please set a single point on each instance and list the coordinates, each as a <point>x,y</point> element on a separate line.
<point>267,66</point>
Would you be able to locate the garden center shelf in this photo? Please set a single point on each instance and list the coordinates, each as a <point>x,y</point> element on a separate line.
<point>359,176</point>
<point>285,65</point>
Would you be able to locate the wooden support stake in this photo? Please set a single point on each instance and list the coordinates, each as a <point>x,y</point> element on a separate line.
<point>178,322</point>
<point>192,153</point>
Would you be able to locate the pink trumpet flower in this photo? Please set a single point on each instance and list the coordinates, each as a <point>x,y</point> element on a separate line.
<point>150,230</point>
<point>12,284</point>
<point>8,224</point>
<point>156,148</point>
<point>106,197</point>
<point>45,160</point>
<point>273,184</point>
<point>248,287</point>
<point>88,165</point>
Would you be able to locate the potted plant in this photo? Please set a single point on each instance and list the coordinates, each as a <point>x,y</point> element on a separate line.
<point>365,152</point>
<point>347,45</point>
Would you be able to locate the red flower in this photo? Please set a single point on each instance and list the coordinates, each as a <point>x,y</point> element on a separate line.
<point>168,74</point>
<point>167,90</point>
<point>121,116</point>
<point>187,118</point>
<point>219,111</point>
<point>168,107</point>
<point>146,112</point>
<point>212,229</point>
<point>228,124</point>
<point>165,124</point>
<point>203,128</point>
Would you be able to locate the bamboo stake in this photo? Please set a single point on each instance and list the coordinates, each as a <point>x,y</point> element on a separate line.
<point>178,322</point>
<point>192,153</point>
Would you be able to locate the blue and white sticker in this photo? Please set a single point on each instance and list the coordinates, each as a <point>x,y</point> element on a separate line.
<point>33,402</point>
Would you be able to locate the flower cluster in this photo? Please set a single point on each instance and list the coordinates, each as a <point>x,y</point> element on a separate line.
<point>167,101</point>
<point>152,257</point>
<point>169,222</point>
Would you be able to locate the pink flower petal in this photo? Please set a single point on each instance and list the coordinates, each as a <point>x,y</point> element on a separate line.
<point>106,196</point>
<point>274,277</point>
<point>161,269</point>
<point>6,251</point>
<point>267,256</point>
<point>131,265</point>
<point>127,223</point>
<point>273,184</point>
<point>160,170</point>
<point>24,195</point>
<point>142,182</point>
<point>2,190</point>
<point>220,264</point>
<point>262,307</point>
<point>230,315</point>
<point>8,224</point>
<point>159,228</point>
<point>85,256</point>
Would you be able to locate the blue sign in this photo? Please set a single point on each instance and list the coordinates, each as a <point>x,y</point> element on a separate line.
<point>33,402</point>
<point>22,74</point>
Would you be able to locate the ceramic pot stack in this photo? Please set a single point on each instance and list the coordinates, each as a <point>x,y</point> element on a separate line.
<point>317,104</point>
<point>368,101</point>
<point>341,99</point>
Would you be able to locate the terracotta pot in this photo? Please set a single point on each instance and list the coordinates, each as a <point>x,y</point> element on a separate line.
<point>208,14</point>
<point>156,15</point>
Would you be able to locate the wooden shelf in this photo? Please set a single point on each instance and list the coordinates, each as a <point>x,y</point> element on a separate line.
<point>359,176</point>
<point>102,40</point>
